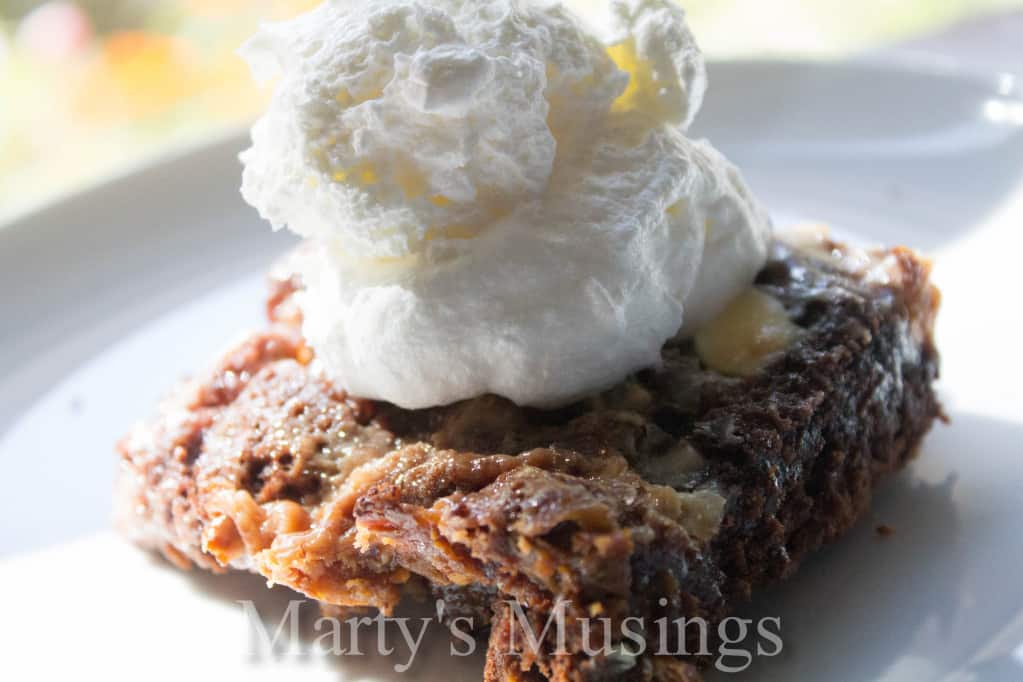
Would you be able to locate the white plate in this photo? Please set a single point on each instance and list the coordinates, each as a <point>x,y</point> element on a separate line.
<point>110,296</point>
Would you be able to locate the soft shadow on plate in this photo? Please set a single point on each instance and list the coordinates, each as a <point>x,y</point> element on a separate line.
<point>432,658</point>
<point>922,601</point>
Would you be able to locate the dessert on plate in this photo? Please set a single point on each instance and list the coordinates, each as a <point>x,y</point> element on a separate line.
<point>537,346</point>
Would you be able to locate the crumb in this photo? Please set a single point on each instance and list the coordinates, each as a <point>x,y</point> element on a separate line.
<point>884,530</point>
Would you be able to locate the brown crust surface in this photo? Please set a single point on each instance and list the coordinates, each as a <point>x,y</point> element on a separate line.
<point>672,495</point>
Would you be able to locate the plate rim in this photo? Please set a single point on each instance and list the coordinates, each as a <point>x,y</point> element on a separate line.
<point>903,63</point>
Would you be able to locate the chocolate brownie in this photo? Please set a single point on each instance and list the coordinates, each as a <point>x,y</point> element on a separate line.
<point>672,495</point>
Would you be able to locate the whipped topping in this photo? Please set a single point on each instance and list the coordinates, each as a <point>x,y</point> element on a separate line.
<point>495,199</point>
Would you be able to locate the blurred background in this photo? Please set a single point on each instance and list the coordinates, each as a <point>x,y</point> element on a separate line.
<point>91,87</point>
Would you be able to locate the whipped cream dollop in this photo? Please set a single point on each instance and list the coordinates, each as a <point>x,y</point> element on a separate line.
<point>495,199</point>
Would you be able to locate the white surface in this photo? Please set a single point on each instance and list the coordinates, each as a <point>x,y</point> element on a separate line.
<point>103,307</point>
<point>128,615</point>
